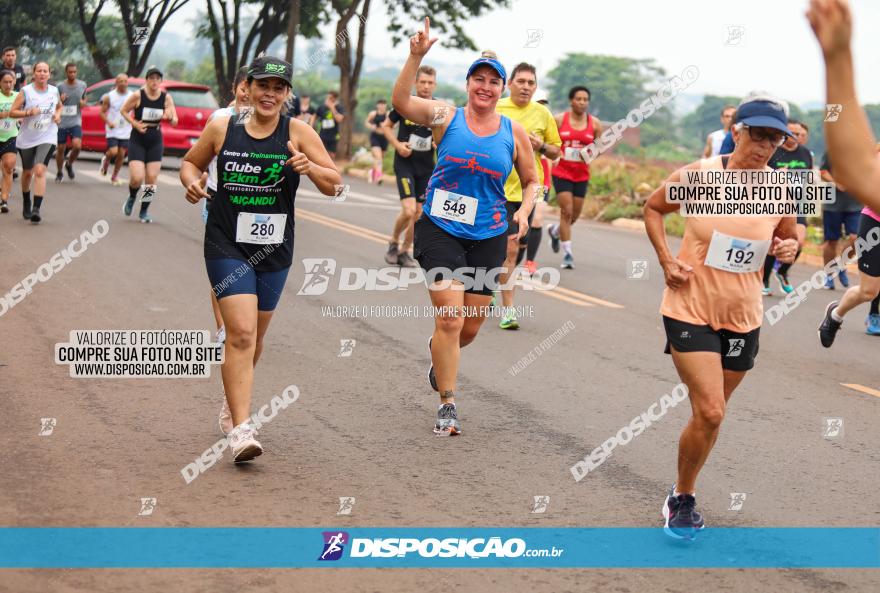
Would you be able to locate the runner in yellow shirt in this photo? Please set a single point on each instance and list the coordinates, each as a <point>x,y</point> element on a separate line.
<point>544,136</point>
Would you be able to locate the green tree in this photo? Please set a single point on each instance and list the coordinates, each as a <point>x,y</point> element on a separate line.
<point>27,24</point>
<point>236,44</point>
<point>142,22</point>
<point>705,119</point>
<point>447,18</point>
<point>616,84</point>
<point>175,70</point>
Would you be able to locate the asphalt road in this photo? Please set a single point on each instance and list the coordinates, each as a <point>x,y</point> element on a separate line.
<point>362,424</point>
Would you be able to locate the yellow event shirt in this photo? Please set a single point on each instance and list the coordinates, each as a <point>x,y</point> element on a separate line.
<point>537,120</point>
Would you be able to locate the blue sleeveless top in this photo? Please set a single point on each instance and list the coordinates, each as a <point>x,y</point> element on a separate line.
<point>475,166</point>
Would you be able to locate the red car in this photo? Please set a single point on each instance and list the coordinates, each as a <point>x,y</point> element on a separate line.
<point>194,103</point>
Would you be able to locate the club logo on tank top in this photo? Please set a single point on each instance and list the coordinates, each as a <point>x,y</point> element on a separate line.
<point>252,173</point>
<point>472,165</point>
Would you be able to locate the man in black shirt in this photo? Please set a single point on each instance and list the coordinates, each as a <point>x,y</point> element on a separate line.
<point>792,155</point>
<point>9,56</point>
<point>329,116</point>
<point>413,167</point>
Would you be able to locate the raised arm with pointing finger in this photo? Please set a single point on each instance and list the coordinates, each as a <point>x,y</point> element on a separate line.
<point>850,140</point>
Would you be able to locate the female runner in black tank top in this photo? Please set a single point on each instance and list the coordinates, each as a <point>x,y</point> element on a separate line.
<point>249,234</point>
<point>378,141</point>
<point>151,105</point>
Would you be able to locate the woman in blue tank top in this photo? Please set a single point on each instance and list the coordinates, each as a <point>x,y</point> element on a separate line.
<point>461,239</point>
<point>249,234</point>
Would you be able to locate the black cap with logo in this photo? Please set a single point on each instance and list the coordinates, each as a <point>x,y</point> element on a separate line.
<point>269,67</point>
<point>153,70</point>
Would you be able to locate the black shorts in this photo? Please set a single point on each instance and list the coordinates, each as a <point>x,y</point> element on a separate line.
<point>869,261</point>
<point>577,188</point>
<point>512,228</point>
<point>329,143</point>
<point>41,153</point>
<point>738,351</point>
<point>146,148</point>
<point>379,140</point>
<point>412,184</point>
<point>120,142</point>
<point>437,252</point>
<point>7,146</point>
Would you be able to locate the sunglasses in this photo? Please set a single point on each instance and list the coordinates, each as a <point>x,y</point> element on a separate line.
<point>776,138</point>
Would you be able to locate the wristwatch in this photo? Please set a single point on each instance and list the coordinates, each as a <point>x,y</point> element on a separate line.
<point>543,148</point>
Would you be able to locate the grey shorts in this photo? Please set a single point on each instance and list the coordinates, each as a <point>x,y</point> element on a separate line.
<point>41,153</point>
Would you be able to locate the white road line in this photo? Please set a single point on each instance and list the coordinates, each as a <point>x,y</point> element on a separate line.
<point>324,201</point>
<point>162,178</point>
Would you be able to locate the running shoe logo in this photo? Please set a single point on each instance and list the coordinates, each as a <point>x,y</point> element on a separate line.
<point>141,35</point>
<point>47,425</point>
<point>346,349</point>
<point>318,273</point>
<point>832,111</point>
<point>737,499</point>
<point>147,507</point>
<point>334,545</point>
<point>735,347</point>
<point>346,504</point>
<point>540,504</point>
<point>832,428</point>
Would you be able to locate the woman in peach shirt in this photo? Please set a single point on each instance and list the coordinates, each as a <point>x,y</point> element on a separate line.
<point>712,304</point>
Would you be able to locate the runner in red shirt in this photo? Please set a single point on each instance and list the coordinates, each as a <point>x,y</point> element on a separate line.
<point>571,175</point>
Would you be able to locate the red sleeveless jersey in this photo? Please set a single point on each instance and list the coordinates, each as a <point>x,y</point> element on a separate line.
<point>572,166</point>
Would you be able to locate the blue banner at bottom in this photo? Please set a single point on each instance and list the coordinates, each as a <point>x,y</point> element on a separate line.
<point>428,547</point>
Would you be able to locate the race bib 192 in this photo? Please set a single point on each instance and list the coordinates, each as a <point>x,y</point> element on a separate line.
<point>731,254</point>
<point>454,207</point>
<point>260,229</point>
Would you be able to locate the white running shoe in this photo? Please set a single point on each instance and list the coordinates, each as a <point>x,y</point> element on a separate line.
<point>220,336</point>
<point>243,444</point>
<point>225,418</point>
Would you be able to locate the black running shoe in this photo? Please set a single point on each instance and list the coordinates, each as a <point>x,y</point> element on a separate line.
<point>682,519</point>
<point>392,254</point>
<point>4,207</point>
<point>447,421</point>
<point>26,207</point>
<point>828,329</point>
<point>404,260</point>
<point>69,168</point>
<point>432,379</point>
<point>554,238</point>
<point>35,216</point>
<point>59,177</point>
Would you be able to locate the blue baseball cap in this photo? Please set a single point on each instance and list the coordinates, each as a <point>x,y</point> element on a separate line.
<point>763,114</point>
<point>492,63</point>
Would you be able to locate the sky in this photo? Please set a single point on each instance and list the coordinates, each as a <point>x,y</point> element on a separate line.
<point>737,46</point>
